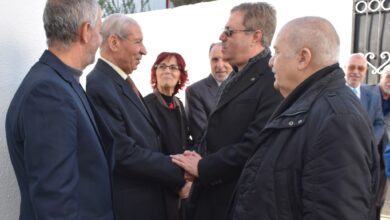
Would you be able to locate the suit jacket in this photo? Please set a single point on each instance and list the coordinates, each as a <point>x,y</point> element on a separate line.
<point>200,101</point>
<point>55,147</point>
<point>370,98</point>
<point>232,131</point>
<point>142,174</point>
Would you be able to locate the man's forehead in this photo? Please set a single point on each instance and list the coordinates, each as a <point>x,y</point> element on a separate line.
<point>386,73</point>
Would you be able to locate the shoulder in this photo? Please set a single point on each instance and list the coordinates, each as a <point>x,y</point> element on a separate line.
<point>199,84</point>
<point>150,98</point>
<point>370,89</point>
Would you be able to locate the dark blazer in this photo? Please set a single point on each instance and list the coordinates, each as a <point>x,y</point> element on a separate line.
<point>370,98</point>
<point>55,147</point>
<point>232,131</point>
<point>200,101</point>
<point>142,174</point>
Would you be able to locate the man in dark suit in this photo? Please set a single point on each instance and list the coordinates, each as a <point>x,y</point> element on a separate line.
<point>53,139</point>
<point>201,96</point>
<point>143,176</point>
<point>247,100</point>
<point>355,71</point>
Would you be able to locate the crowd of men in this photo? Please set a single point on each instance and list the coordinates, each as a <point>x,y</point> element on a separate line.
<point>288,135</point>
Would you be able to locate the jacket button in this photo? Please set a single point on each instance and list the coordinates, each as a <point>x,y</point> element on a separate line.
<point>291,123</point>
<point>300,121</point>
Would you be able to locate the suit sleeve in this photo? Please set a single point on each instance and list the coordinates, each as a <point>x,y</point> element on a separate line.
<point>138,162</point>
<point>379,123</point>
<point>49,124</point>
<point>339,178</point>
<point>227,163</point>
<point>196,114</point>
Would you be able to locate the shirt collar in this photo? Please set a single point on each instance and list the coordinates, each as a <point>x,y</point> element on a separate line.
<point>116,68</point>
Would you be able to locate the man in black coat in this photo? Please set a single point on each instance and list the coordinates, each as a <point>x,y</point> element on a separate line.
<point>243,107</point>
<point>316,157</point>
<point>143,176</point>
<point>201,96</point>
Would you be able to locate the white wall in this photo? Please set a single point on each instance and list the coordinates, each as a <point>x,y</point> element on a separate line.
<point>188,30</point>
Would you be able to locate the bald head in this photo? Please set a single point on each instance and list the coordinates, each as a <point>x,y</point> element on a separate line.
<point>302,47</point>
<point>316,34</point>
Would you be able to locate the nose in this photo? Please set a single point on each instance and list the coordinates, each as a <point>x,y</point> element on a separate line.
<point>271,62</point>
<point>222,37</point>
<point>143,50</point>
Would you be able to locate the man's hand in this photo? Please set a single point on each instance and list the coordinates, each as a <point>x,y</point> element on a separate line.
<point>185,191</point>
<point>189,161</point>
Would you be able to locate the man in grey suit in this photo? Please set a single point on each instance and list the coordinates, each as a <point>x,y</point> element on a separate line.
<point>201,96</point>
<point>370,97</point>
<point>356,70</point>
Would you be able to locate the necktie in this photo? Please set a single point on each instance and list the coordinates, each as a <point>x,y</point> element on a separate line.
<point>354,90</point>
<point>133,87</point>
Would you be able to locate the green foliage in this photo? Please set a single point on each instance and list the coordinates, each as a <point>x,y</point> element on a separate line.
<point>186,2</point>
<point>128,6</point>
<point>122,6</point>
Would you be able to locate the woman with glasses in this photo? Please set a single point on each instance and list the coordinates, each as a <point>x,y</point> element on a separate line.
<point>168,75</point>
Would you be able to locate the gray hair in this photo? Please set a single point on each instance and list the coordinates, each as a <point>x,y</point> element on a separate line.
<point>259,16</point>
<point>116,24</point>
<point>62,19</point>
<point>317,34</point>
<point>213,45</point>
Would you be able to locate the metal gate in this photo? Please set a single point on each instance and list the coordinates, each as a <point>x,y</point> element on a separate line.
<point>371,35</point>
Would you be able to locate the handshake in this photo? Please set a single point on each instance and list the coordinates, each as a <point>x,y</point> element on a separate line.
<point>189,161</point>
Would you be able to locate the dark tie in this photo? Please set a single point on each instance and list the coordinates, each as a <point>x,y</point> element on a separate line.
<point>133,87</point>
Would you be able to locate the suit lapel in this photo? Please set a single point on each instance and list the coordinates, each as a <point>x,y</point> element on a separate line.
<point>364,97</point>
<point>126,90</point>
<point>248,79</point>
<point>212,85</point>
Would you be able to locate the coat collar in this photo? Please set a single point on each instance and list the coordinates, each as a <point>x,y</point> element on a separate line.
<point>292,111</point>
<point>248,78</point>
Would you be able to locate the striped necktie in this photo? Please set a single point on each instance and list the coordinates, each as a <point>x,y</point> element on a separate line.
<point>133,87</point>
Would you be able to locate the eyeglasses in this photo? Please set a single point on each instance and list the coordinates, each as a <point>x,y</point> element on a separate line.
<point>229,32</point>
<point>358,67</point>
<point>164,67</point>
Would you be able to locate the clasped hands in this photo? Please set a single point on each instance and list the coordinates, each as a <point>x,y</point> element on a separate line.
<point>189,161</point>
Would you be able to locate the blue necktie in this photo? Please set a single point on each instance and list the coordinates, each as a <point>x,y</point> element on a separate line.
<point>354,90</point>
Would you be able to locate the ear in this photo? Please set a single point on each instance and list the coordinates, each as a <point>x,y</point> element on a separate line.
<point>304,58</point>
<point>113,42</point>
<point>257,36</point>
<point>85,32</point>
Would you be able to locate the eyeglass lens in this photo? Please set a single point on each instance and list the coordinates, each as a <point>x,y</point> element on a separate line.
<point>171,67</point>
<point>358,67</point>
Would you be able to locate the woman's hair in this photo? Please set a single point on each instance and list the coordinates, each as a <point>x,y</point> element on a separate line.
<point>182,68</point>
